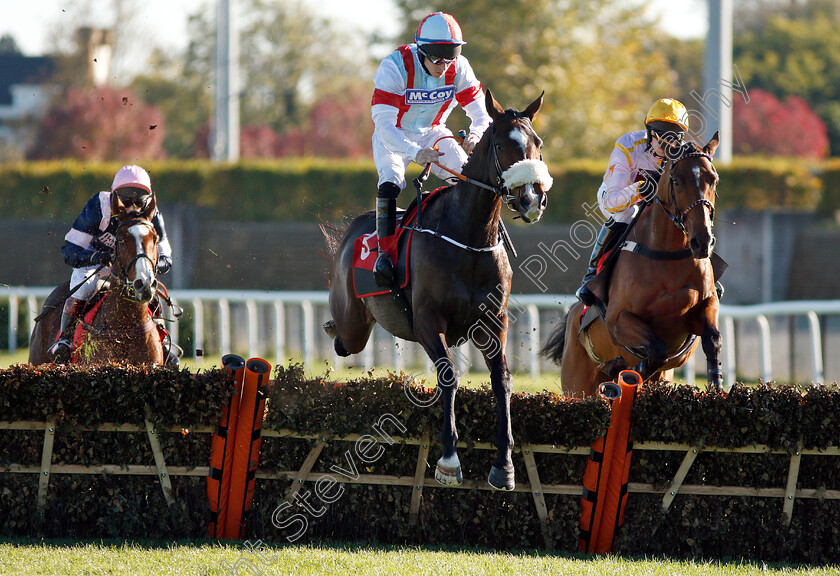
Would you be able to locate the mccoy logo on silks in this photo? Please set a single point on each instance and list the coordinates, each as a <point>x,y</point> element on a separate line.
<point>435,96</point>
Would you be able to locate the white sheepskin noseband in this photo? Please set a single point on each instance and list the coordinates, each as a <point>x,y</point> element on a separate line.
<point>527,172</point>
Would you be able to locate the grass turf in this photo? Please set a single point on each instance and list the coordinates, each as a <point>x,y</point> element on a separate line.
<point>211,558</point>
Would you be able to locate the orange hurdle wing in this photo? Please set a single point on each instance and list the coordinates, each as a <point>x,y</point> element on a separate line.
<point>221,451</point>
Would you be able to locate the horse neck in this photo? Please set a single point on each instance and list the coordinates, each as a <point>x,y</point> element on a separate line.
<point>656,230</point>
<point>477,214</point>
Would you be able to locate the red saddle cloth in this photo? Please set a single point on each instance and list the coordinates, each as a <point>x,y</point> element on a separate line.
<point>366,250</point>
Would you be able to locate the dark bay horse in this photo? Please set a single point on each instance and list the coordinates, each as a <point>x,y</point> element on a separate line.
<point>661,294</point>
<point>460,275</point>
<point>123,330</point>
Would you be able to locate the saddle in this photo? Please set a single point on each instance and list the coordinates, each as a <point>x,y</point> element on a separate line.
<point>366,249</point>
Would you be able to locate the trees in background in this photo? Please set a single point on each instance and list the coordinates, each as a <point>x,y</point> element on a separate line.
<point>766,126</point>
<point>793,49</point>
<point>105,123</point>
<point>597,61</point>
<point>306,86</point>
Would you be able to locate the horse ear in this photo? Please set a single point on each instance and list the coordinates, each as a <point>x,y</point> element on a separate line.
<point>534,107</point>
<point>493,108</point>
<point>713,144</point>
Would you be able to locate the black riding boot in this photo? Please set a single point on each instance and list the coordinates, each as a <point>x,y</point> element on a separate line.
<point>603,241</point>
<point>63,346</point>
<point>386,223</point>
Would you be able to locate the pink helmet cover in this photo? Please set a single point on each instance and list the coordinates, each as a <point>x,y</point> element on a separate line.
<point>133,176</point>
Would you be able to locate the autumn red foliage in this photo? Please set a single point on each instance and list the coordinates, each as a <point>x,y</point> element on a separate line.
<point>105,123</point>
<point>337,126</point>
<point>766,126</point>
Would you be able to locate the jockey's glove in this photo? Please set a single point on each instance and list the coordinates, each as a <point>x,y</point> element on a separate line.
<point>104,257</point>
<point>427,155</point>
<point>647,185</point>
<point>164,264</point>
<point>470,140</point>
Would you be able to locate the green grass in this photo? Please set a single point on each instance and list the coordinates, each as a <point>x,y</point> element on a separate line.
<point>204,558</point>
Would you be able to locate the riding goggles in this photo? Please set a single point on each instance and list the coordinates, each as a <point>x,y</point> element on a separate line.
<point>436,60</point>
<point>142,203</point>
<point>671,138</point>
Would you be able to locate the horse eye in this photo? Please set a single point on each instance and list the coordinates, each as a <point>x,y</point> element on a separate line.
<point>499,147</point>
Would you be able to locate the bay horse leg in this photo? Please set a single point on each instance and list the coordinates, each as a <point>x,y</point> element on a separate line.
<point>629,330</point>
<point>448,468</point>
<point>712,342</point>
<point>502,473</point>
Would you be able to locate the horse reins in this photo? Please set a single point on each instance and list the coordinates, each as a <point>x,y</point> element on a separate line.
<point>499,190</point>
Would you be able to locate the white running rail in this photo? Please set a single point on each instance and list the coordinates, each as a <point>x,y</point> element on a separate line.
<point>259,322</point>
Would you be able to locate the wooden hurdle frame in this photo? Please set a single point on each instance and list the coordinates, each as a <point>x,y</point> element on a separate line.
<point>419,481</point>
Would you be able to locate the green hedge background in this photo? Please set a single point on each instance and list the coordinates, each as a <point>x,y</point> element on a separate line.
<point>322,190</point>
<point>98,506</point>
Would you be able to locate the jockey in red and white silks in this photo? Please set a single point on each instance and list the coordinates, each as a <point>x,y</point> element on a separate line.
<point>410,108</point>
<point>415,90</point>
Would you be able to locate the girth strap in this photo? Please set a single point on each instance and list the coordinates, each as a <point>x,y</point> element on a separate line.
<point>643,250</point>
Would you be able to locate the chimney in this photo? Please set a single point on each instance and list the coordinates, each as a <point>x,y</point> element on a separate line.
<point>96,46</point>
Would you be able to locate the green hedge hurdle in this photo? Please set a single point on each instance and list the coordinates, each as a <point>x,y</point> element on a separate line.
<point>752,474</point>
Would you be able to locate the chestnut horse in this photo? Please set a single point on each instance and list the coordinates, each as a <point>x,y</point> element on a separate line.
<point>661,294</point>
<point>123,329</point>
<point>460,275</point>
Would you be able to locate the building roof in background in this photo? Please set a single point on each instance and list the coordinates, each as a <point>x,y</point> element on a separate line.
<point>20,69</point>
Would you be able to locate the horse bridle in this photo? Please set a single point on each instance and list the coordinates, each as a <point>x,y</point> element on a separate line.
<point>122,278</point>
<point>499,189</point>
<point>678,218</point>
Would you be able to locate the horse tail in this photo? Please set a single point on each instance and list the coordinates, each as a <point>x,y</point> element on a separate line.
<point>553,347</point>
<point>332,238</point>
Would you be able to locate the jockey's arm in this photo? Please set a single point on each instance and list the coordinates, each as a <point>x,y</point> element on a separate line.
<point>618,190</point>
<point>164,249</point>
<point>78,249</point>
<point>389,92</point>
<point>470,97</point>
<point>78,257</point>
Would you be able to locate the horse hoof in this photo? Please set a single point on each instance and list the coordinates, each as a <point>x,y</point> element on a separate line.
<point>501,479</point>
<point>449,476</point>
<point>330,329</point>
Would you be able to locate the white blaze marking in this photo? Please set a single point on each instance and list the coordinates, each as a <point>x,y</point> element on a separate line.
<point>143,269</point>
<point>517,136</point>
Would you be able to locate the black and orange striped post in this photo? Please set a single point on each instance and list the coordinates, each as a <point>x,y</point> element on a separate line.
<point>248,441</point>
<point>222,447</point>
<point>608,469</point>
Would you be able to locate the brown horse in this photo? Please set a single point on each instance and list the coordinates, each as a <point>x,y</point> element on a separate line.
<point>123,329</point>
<point>460,275</point>
<point>661,293</point>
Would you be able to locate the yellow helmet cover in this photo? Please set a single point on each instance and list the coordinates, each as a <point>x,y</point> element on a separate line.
<point>670,111</point>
